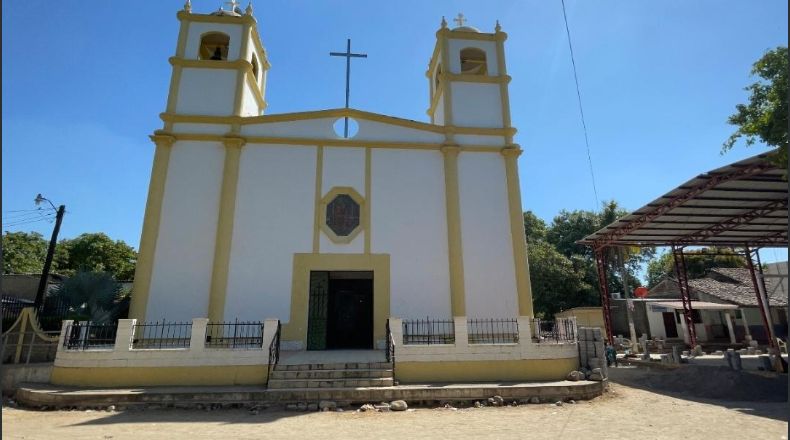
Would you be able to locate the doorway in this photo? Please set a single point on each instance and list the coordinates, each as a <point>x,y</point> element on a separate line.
<point>340,310</point>
<point>670,326</point>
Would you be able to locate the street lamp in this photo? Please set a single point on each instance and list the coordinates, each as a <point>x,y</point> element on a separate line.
<point>42,284</point>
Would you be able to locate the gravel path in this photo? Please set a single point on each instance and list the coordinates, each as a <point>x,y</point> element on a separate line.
<point>623,412</point>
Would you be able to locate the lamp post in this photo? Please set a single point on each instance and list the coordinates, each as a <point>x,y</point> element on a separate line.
<point>42,284</point>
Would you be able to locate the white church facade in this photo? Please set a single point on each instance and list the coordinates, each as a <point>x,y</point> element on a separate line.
<point>252,216</point>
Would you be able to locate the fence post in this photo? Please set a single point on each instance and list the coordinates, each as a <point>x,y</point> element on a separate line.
<point>124,335</point>
<point>396,330</point>
<point>64,333</point>
<point>197,339</point>
<point>524,331</point>
<point>461,332</point>
<point>269,330</point>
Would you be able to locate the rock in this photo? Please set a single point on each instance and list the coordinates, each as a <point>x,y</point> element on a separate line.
<point>534,400</point>
<point>327,405</point>
<point>312,407</point>
<point>478,404</point>
<point>574,376</point>
<point>398,405</point>
<point>367,407</point>
<point>558,403</point>
<point>111,408</point>
<point>496,401</point>
<point>339,410</point>
<point>291,407</point>
<point>382,406</point>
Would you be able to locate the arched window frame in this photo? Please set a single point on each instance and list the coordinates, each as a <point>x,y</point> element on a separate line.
<point>475,59</point>
<point>212,40</point>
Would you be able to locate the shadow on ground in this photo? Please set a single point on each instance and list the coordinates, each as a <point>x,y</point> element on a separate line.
<point>754,393</point>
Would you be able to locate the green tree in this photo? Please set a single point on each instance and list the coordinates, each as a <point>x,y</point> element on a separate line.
<point>98,253</point>
<point>534,227</point>
<point>556,283</point>
<point>93,295</point>
<point>23,252</point>
<point>764,118</point>
<point>698,263</point>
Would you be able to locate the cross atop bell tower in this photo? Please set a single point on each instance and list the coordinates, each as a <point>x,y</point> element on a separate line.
<point>220,65</point>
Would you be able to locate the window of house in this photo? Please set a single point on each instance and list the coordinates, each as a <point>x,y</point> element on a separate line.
<point>473,61</point>
<point>342,215</point>
<point>255,67</point>
<point>214,46</point>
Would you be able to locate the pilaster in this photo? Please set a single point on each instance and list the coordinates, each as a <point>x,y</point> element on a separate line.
<point>454,245</point>
<point>520,258</point>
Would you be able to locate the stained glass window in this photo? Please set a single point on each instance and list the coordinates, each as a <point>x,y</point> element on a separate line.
<point>342,215</point>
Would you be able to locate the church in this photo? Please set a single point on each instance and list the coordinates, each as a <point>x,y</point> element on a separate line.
<point>339,225</point>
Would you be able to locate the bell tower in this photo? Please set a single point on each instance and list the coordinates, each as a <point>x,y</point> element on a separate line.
<point>220,65</point>
<point>468,81</point>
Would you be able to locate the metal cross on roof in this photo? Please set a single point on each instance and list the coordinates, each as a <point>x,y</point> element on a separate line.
<point>233,5</point>
<point>460,19</point>
<point>348,56</point>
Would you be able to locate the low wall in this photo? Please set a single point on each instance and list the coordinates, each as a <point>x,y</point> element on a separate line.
<point>525,360</point>
<point>121,365</point>
<point>13,375</point>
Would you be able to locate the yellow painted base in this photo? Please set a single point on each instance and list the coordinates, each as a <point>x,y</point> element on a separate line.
<point>155,376</point>
<point>485,371</point>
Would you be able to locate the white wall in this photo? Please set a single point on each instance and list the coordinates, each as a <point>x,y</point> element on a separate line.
<point>184,254</point>
<point>206,92</point>
<point>489,269</point>
<point>198,29</point>
<point>249,105</point>
<point>310,128</point>
<point>488,46</point>
<point>344,167</point>
<point>273,220</point>
<point>476,105</point>
<point>409,222</point>
<point>380,131</point>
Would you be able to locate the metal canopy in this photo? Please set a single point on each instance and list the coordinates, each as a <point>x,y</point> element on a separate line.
<point>744,203</point>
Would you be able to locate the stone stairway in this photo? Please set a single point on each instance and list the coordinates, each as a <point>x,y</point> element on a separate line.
<point>331,375</point>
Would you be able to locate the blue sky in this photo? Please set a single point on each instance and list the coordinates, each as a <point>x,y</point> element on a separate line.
<point>83,84</point>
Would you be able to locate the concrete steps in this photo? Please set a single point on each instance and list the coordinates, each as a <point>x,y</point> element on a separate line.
<point>331,375</point>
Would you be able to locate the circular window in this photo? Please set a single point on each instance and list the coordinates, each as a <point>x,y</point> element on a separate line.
<point>345,129</point>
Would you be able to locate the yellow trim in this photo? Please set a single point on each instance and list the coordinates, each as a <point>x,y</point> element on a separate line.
<point>454,246</point>
<point>366,207</point>
<point>333,113</point>
<point>151,221</point>
<point>225,19</point>
<point>241,75</point>
<point>263,57</point>
<point>160,376</point>
<point>446,86</point>
<point>252,83</point>
<point>435,100</point>
<point>326,199</point>
<point>464,35</point>
<point>520,259</point>
<point>224,237</point>
<point>485,371</point>
<point>240,64</point>
<point>504,96</point>
<point>296,328</point>
<point>465,77</point>
<point>20,339</point>
<point>319,176</point>
<point>172,94</point>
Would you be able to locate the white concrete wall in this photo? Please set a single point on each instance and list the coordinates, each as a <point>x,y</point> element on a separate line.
<point>489,47</point>
<point>273,220</point>
<point>206,92</point>
<point>310,128</point>
<point>409,222</point>
<point>193,128</point>
<point>655,321</point>
<point>343,167</point>
<point>249,105</point>
<point>196,30</point>
<point>476,105</point>
<point>489,270</point>
<point>184,254</point>
<point>380,131</point>
<point>438,117</point>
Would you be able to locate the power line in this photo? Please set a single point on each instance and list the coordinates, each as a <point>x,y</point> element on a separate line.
<point>581,110</point>
<point>28,221</point>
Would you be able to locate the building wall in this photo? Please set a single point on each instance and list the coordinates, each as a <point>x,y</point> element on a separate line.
<point>207,91</point>
<point>188,227</point>
<point>489,270</point>
<point>476,104</point>
<point>585,316</point>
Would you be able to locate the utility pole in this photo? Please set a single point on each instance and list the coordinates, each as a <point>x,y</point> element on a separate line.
<point>42,284</point>
<point>629,313</point>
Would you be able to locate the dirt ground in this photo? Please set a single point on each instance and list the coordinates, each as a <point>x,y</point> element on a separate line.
<point>623,412</point>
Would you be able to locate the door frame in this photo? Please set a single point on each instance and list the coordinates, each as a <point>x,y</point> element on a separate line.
<point>295,330</point>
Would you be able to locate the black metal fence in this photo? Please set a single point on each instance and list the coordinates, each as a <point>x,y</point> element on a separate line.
<point>238,334</point>
<point>390,345</point>
<point>560,330</point>
<point>11,309</point>
<point>274,353</point>
<point>148,335</point>
<point>492,331</point>
<point>89,335</point>
<point>50,314</point>
<point>428,332</point>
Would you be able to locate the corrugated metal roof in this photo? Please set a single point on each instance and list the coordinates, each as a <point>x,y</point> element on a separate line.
<point>744,203</point>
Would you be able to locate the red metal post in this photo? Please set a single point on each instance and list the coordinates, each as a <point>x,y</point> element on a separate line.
<point>685,294</point>
<point>763,306</point>
<point>604,289</point>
